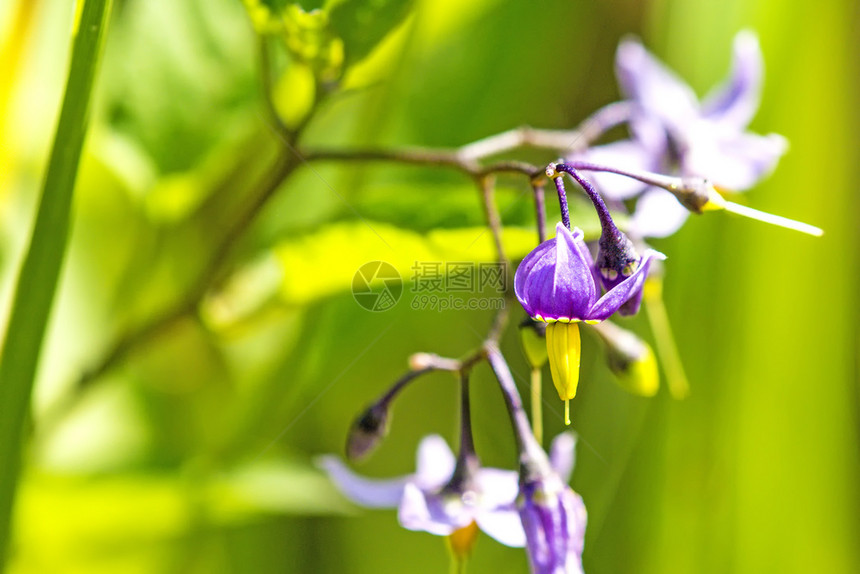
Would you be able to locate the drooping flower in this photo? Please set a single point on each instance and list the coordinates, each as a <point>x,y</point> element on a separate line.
<point>429,500</point>
<point>558,281</point>
<point>673,131</point>
<point>617,258</point>
<point>559,284</point>
<point>553,515</point>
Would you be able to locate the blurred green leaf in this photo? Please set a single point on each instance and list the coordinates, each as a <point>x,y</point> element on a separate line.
<point>423,206</point>
<point>362,24</point>
<point>453,206</point>
<point>180,77</point>
<point>282,487</point>
<point>98,524</point>
<point>36,284</point>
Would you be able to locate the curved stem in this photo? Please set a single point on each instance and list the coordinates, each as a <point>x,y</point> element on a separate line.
<point>467,443</point>
<point>606,222</point>
<point>467,460</point>
<point>562,201</point>
<point>385,400</point>
<point>531,454</point>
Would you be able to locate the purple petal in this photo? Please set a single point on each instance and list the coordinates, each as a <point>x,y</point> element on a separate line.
<point>615,297</point>
<point>562,455</point>
<point>736,101</point>
<point>363,491</point>
<point>554,520</point>
<point>435,463</point>
<point>632,305</point>
<point>498,515</point>
<point>649,83</point>
<point>658,214</point>
<point>503,525</point>
<point>575,288</point>
<point>420,511</point>
<point>535,259</point>
<point>555,280</point>
<point>732,161</point>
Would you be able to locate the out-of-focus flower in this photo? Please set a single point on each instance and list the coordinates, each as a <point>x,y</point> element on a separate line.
<point>552,514</point>
<point>432,501</point>
<point>673,131</point>
<point>630,358</point>
<point>558,283</point>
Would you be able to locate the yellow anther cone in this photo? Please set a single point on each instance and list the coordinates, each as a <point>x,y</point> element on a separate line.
<point>563,348</point>
<point>461,542</point>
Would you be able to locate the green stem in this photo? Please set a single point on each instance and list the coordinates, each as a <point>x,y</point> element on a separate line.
<point>537,405</point>
<point>37,281</point>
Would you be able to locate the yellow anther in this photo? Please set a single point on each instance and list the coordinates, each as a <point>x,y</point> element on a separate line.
<point>563,349</point>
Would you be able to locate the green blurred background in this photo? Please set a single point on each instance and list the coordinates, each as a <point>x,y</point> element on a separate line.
<point>194,452</point>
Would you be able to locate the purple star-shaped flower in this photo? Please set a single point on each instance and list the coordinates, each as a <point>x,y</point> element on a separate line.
<point>558,281</point>
<point>426,503</point>
<point>672,129</point>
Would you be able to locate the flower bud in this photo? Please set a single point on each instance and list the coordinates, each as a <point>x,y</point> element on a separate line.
<point>367,432</point>
<point>697,195</point>
<point>533,339</point>
<point>617,260</point>
<point>631,359</point>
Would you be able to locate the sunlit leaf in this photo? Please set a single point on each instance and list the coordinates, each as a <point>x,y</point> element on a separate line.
<point>324,263</point>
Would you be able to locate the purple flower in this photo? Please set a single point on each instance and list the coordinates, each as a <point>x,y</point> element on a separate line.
<point>552,514</point>
<point>558,281</point>
<point>430,500</point>
<point>672,129</point>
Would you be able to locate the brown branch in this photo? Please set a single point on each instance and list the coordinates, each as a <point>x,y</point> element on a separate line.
<point>464,160</point>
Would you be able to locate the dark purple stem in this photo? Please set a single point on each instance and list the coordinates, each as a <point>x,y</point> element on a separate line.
<point>606,223</point>
<point>401,383</point>
<point>531,454</point>
<point>467,460</point>
<point>656,179</point>
<point>562,201</point>
<point>467,444</point>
